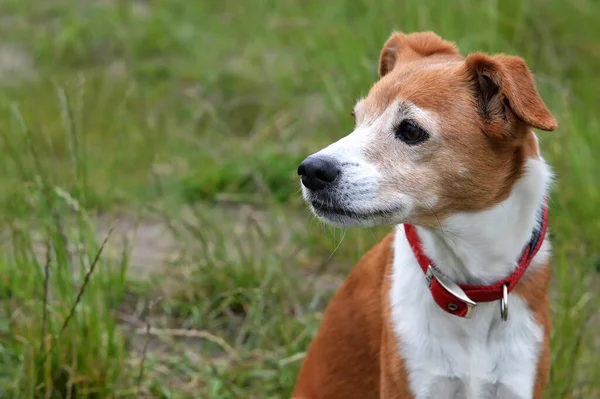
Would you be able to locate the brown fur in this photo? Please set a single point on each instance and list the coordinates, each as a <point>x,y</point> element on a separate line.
<point>485,106</point>
<point>533,288</point>
<point>403,47</point>
<point>509,86</point>
<point>344,358</point>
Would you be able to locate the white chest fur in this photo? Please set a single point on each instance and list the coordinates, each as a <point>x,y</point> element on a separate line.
<point>450,357</point>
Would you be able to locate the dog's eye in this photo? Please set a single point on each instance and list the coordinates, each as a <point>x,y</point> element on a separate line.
<point>410,133</point>
<point>353,115</point>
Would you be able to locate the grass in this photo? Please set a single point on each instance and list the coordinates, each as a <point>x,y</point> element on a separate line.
<point>191,117</point>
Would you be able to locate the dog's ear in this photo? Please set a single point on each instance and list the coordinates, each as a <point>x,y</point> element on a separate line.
<point>401,47</point>
<point>504,89</point>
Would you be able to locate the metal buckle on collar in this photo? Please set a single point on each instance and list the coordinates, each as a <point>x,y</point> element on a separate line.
<point>451,287</point>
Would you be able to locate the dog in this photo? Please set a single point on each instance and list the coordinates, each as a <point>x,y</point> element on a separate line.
<point>454,302</point>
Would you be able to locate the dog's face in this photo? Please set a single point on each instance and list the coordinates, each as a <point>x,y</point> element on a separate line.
<point>436,135</point>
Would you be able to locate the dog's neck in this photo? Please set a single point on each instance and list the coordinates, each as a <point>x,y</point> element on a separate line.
<point>484,247</point>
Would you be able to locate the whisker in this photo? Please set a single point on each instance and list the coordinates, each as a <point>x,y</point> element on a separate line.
<point>437,218</point>
<point>338,245</point>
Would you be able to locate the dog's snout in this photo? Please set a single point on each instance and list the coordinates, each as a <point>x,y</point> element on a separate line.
<point>318,171</point>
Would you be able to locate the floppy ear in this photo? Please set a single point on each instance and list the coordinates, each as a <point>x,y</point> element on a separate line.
<point>503,84</point>
<point>404,47</point>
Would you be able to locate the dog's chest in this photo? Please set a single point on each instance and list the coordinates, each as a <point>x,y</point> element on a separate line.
<point>450,357</point>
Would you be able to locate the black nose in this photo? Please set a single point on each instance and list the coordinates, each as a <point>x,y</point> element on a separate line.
<point>318,171</point>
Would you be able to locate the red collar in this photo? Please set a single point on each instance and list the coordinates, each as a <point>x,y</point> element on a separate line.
<point>461,300</point>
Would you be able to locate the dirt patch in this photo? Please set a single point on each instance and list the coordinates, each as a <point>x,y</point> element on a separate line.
<point>149,244</point>
<point>16,65</point>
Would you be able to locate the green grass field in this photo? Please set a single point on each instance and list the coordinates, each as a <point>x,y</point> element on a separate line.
<point>173,129</point>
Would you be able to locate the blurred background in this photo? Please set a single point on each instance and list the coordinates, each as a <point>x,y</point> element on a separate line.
<point>154,242</point>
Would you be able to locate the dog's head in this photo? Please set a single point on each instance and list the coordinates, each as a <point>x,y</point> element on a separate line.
<point>437,134</point>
